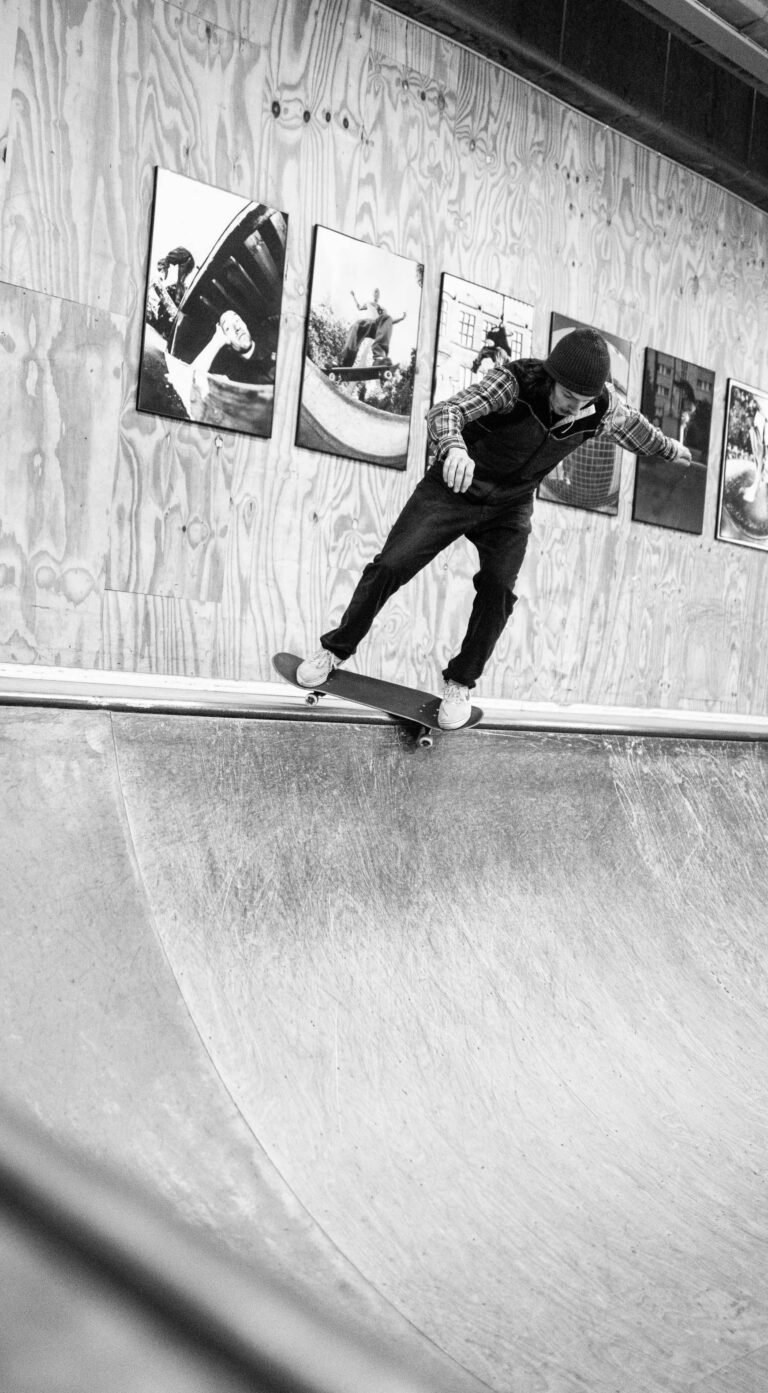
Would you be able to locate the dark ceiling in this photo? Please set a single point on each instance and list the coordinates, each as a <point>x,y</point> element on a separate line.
<point>688,80</point>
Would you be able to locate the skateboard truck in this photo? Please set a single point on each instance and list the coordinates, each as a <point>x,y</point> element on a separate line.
<point>425,737</point>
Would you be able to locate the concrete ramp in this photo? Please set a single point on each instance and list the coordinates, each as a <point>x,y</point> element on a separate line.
<point>468,1046</point>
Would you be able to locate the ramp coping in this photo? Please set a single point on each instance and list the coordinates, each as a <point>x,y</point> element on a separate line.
<point>120,691</point>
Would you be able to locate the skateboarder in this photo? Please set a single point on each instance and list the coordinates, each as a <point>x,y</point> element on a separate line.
<point>493,443</point>
<point>494,352</point>
<point>375,323</point>
<point>168,288</point>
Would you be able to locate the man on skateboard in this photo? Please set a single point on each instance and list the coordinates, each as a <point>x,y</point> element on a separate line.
<point>493,443</point>
<point>374,322</point>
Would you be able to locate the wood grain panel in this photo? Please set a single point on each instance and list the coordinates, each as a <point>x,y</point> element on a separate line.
<point>153,633</point>
<point>628,612</point>
<point>305,110</point>
<point>239,17</point>
<point>408,152</point>
<point>170,508</point>
<point>197,116</point>
<point>9,19</point>
<point>504,197</point>
<point>70,196</point>
<point>62,366</point>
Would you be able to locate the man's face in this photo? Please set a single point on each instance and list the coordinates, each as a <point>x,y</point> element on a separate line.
<point>565,402</point>
<point>168,274</point>
<point>236,331</point>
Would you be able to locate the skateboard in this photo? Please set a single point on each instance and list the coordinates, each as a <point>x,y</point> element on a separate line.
<point>382,369</point>
<point>409,704</point>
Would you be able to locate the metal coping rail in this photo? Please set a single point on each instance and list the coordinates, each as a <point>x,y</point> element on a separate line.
<point>160,695</point>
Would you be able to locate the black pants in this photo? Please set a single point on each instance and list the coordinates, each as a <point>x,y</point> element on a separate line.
<point>433,517</point>
<point>378,329</point>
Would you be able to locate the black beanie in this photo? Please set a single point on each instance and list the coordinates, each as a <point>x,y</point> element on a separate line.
<point>581,362</point>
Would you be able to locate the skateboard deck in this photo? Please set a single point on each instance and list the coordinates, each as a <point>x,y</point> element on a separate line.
<point>409,704</point>
<point>339,374</point>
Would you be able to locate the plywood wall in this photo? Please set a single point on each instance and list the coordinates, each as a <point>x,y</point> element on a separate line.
<point>129,542</point>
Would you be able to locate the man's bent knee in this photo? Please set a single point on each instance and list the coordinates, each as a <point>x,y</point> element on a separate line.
<point>497,587</point>
<point>395,567</point>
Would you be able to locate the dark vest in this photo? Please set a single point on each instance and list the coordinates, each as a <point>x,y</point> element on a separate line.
<point>513,451</point>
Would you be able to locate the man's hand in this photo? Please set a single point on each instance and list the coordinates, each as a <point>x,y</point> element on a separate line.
<point>458,469</point>
<point>684,456</point>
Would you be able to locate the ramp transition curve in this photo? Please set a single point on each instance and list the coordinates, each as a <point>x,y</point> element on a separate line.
<point>469,1048</point>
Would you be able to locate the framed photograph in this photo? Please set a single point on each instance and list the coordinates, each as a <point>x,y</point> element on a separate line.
<point>478,329</point>
<point>677,397</point>
<point>743,506</point>
<point>360,351</point>
<point>212,308</point>
<point>590,477</point>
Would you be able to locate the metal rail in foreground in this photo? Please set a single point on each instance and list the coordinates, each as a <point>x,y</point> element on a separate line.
<point>39,686</point>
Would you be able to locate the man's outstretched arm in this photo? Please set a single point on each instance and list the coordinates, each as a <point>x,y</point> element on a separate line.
<point>630,429</point>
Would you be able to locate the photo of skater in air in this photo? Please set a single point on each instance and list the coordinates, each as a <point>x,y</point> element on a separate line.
<point>360,356</point>
<point>373,327</point>
<point>478,329</point>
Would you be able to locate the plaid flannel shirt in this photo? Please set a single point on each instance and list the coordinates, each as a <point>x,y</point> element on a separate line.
<point>498,392</point>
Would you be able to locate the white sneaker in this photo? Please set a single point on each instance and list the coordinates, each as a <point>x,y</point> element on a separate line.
<point>455,707</point>
<point>314,671</point>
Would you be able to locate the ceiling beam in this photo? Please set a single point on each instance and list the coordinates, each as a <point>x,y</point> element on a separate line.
<point>696,20</point>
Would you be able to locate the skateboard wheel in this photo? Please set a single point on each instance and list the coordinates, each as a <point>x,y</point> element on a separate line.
<point>425,739</point>
<point>313,698</point>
